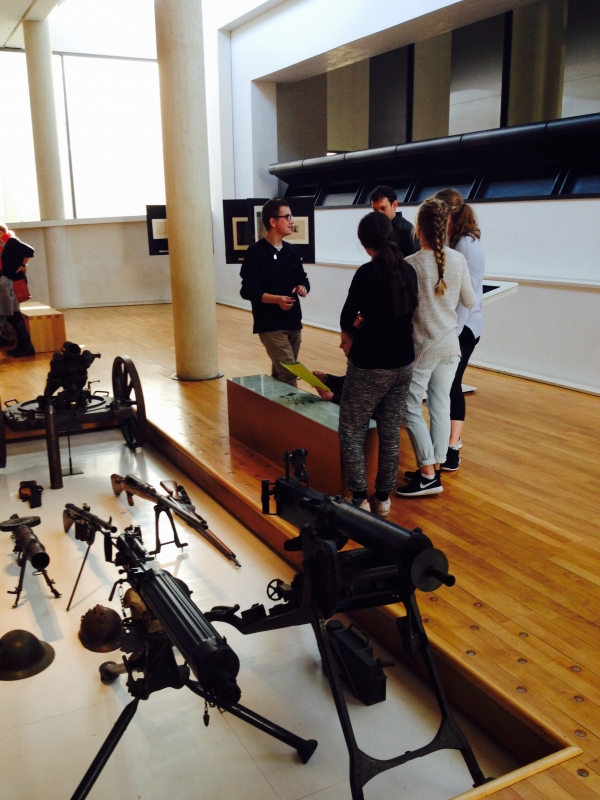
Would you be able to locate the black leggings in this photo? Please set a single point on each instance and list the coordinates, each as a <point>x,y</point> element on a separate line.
<point>457,399</point>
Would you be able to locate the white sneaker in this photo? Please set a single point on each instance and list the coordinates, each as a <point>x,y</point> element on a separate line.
<point>363,505</point>
<point>381,507</point>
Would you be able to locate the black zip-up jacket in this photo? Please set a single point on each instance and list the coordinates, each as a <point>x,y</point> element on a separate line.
<point>12,258</point>
<point>403,235</point>
<point>267,270</point>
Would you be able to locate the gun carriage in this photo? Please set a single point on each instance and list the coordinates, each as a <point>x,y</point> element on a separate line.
<point>69,392</point>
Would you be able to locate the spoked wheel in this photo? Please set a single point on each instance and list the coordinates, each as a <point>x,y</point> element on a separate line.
<point>127,386</point>
<point>2,442</point>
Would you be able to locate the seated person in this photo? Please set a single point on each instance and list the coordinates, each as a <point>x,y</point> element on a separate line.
<point>335,382</point>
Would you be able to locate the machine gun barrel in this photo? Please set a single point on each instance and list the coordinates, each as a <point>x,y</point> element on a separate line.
<point>207,653</point>
<point>132,485</point>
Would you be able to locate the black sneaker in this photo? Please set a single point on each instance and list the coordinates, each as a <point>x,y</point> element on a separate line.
<point>410,475</point>
<point>420,486</point>
<point>452,460</point>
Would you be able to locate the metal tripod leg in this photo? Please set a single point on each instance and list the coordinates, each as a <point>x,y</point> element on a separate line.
<point>449,734</point>
<point>79,576</point>
<point>19,588</point>
<point>105,752</point>
<point>304,747</point>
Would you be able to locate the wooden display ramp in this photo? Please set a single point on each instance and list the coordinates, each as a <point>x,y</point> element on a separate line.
<point>519,523</point>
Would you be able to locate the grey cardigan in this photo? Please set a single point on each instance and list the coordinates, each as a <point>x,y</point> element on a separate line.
<point>434,321</point>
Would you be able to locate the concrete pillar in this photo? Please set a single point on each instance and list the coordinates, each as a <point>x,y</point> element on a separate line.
<point>179,40</point>
<point>431,94</point>
<point>43,118</point>
<point>348,107</point>
<point>537,62</point>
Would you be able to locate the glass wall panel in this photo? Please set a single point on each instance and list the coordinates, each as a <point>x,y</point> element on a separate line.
<point>18,183</point>
<point>581,93</point>
<point>116,142</point>
<point>476,78</point>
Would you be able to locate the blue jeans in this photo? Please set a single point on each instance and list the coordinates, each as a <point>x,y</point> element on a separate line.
<point>435,377</point>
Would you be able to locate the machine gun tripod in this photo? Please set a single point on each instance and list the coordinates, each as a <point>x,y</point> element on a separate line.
<point>392,563</point>
<point>163,616</point>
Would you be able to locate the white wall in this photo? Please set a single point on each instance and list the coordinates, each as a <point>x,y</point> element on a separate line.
<point>548,330</point>
<point>108,263</point>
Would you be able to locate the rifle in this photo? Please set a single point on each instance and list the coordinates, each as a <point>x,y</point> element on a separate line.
<point>177,501</point>
<point>28,548</point>
<point>87,525</point>
<point>392,563</point>
<point>163,616</point>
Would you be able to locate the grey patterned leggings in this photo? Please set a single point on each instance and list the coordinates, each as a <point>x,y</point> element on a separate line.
<point>378,393</point>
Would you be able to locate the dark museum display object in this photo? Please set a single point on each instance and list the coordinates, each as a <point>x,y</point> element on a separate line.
<point>68,403</point>
<point>175,500</point>
<point>31,491</point>
<point>22,655</point>
<point>101,629</point>
<point>163,616</point>
<point>28,548</point>
<point>388,568</point>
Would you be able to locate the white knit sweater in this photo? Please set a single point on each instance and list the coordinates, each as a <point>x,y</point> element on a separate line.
<point>434,321</point>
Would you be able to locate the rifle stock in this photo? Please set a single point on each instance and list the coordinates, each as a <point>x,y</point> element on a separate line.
<point>177,501</point>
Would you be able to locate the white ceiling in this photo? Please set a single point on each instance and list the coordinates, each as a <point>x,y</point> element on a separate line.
<point>12,14</point>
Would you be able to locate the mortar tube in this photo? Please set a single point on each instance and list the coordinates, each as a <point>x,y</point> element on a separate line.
<point>52,443</point>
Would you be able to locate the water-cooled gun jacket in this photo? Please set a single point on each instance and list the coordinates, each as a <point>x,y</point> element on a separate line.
<point>267,270</point>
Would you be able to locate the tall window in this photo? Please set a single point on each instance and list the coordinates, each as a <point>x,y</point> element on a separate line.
<point>116,145</point>
<point>18,184</point>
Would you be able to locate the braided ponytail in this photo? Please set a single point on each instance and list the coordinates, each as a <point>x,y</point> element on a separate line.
<point>431,230</point>
<point>464,221</point>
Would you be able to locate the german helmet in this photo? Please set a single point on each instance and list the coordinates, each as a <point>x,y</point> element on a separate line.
<point>22,655</point>
<point>101,629</point>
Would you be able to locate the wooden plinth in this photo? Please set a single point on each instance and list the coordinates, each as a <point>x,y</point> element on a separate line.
<point>46,328</point>
<point>272,429</point>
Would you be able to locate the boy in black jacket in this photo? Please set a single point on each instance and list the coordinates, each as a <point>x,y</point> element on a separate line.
<point>274,280</point>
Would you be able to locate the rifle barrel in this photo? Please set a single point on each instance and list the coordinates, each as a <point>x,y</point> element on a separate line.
<point>133,485</point>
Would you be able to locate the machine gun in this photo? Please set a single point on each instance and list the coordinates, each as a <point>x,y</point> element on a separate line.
<point>177,501</point>
<point>28,548</point>
<point>390,565</point>
<point>68,371</point>
<point>163,616</point>
<point>87,525</point>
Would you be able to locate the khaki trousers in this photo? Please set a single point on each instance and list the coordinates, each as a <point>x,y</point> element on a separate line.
<point>282,346</point>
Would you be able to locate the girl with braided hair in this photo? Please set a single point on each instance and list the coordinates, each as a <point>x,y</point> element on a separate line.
<point>378,312</point>
<point>443,279</point>
<point>463,235</point>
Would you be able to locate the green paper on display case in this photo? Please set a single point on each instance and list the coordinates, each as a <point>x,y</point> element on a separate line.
<point>300,371</point>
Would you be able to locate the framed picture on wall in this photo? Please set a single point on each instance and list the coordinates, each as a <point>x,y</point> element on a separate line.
<point>158,237</point>
<point>237,240</point>
<point>301,234</point>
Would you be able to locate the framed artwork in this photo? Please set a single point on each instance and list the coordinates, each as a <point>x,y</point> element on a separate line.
<point>243,226</point>
<point>301,234</point>
<point>239,227</point>
<point>156,224</point>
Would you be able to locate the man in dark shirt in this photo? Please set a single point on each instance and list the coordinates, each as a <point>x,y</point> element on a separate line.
<point>385,200</point>
<point>274,280</point>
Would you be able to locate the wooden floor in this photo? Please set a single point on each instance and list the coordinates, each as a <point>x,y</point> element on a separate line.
<point>519,521</point>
